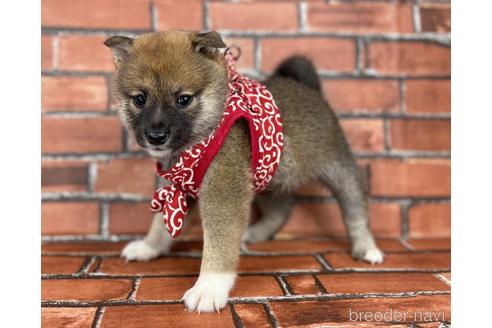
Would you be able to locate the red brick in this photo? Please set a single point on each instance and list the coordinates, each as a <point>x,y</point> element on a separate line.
<point>256,286</point>
<point>171,288</point>
<point>46,52</point>
<point>60,176</point>
<point>84,53</point>
<point>277,263</point>
<point>92,248</point>
<point>428,96</point>
<point>325,313</point>
<point>85,289</point>
<point>430,220</point>
<point>354,283</point>
<point>324,219</point>
<point>111,14</point>
<point>252,315</point>
<point>164,265</point>
<point>426,244</point>
<point>435,261</point>
<point>409,57</point>
<point>364,134</point>
<point>67,317</point>
<point>130,218</point>
<point>187,15</point>
<point>80,135</point>
<point>362,95</point>
<point>73,93</point>
<point>69,218</point>
<point>61,264</point>
<point>268,15</point>
<point>411,178</point>
<point>247,46</point>
<point>327,54</point>
<point>414,134</point>
<point>163,315</point>
<point>316,246</point>
<point>126,175</point>
<point>359,17</point>
<point>303,285</point>
<point>435,17</point>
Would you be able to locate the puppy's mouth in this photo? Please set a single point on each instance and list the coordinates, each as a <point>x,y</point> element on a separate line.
<point>158,152</point>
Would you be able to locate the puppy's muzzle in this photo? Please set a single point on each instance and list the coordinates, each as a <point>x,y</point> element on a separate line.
<point>157,137</point>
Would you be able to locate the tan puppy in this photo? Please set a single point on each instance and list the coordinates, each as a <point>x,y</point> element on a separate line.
<point>171,88</point>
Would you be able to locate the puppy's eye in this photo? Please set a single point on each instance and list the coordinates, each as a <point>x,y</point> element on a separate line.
<point>139,100</point>
<point>184,101</point>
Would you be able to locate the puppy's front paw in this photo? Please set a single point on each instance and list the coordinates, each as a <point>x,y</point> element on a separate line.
<point>210,292</point>
<point>139,250</point>
<point>374,256</point>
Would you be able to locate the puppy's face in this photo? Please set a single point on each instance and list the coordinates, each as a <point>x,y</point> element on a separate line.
<point>170,88</point>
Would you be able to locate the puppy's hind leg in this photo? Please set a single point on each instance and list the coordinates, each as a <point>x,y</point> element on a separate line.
<point>345,180</point>
<point>275,210</point>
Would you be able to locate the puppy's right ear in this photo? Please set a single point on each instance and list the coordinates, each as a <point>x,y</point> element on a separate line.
<point>120,46</point>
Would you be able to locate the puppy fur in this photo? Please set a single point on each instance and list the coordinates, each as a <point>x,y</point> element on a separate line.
<point>167,64</point>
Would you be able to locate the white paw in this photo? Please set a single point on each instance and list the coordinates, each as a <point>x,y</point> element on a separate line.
<point>210,292</point>
<point>374,256</point>
<point>139,250</point>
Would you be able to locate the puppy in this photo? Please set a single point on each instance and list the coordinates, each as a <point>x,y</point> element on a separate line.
<point>171,88</point>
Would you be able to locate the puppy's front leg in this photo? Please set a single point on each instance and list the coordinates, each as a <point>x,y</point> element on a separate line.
<point>225,204</point>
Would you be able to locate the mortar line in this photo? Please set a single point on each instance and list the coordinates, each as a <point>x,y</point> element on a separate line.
<point>238,323</point>
<point>91,177</point>
<point>271,317</point>
<point>302,16</point>
<point>153,16</point>
<point>206,17</point>
<point>324,264</point>
<point>319,285</point>
<point>134,290</point>
<point>104,217</point>
<point>417,24</point>
<point>283,285</point>
<point>98,317</point>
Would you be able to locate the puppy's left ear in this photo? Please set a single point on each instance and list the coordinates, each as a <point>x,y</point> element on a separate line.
<point>120,46</point>
<point>208,42</point>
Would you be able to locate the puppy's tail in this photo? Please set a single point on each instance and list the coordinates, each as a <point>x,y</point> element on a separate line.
<point>300,69</point>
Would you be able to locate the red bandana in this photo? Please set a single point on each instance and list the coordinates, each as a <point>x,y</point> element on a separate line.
<point>247,99</point>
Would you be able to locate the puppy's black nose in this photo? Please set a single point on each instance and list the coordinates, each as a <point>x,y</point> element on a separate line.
<point>157,137</point>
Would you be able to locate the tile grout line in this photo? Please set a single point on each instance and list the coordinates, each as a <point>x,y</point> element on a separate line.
<point>251,300</point>
<point>271,317</point>
<point>238,323</point>
<point>322,261</point>
<point>86,266</point>
<point>443,279</point>
<point>283,285</point>
<point>98,317</point>
<point>135,286</point>
<point>319,285</point>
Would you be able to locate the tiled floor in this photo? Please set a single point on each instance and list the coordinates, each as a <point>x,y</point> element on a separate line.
<point>282,283</point>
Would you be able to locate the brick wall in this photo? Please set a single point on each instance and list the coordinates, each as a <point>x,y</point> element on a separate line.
<point>385,68</point>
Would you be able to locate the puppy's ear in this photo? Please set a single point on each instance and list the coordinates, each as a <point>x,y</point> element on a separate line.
<point>119,47</point>
<point>208,42</point>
